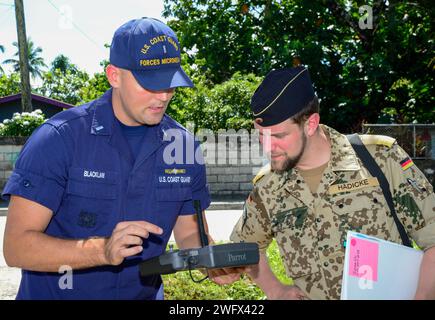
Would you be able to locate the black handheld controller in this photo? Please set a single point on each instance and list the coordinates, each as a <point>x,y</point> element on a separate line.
<point>208,256</point>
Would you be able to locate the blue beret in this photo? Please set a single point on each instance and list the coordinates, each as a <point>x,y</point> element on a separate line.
<point>282,94</point>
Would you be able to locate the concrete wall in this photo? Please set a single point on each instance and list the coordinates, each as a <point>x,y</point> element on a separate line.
<point>232,162</point>
<point>230,167</point>
<point>8,156</point>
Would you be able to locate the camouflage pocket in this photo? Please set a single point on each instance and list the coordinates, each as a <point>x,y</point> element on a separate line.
<point>293,218</point>
<point>365,211</point>
<point>294,231</point>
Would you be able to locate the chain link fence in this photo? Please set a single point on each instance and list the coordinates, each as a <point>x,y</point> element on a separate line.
<point>418,140</point>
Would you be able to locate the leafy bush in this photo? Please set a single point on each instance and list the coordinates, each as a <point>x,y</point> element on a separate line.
<point>230,103</point>
<point>223,106</point>
<point>22,124</point>
<point>64,86</point>
<point>179,286</point>
<point>9,85</point>
<point>359,75</point>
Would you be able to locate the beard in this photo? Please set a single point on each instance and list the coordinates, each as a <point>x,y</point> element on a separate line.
<point>290,162</point>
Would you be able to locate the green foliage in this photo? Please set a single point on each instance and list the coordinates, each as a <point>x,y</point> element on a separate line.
<point>9,85</point>
<point>64,82</point>
<point>359,74</point>
<point>36,62</point>
<point>223,106</point>
<point>64,64</point>
<point>67,83</point>
<point>65,87</point>
<point>179,286</point>
<point>405,106</point>
<point>22,124</point>
<point>2,49</point>
<point>276,264</point>
<point>230,100</point>
<point>95,87</point>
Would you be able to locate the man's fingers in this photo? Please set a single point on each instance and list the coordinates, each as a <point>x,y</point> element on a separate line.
<point>149,227</point>
<point>132,230</point>
<point>152,228</point>
<point>225,279</point>
<point>247,270</point>
<point>224,276</point>
<point>129,240</point>
<point>217,272</point>
<point>124,247</point>
<point>128,252</point>
<point>238,269</point>
<point>234,270</point>
<point>136,229</point>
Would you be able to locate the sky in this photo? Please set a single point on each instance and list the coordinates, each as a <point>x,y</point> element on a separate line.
<point>76,28</point>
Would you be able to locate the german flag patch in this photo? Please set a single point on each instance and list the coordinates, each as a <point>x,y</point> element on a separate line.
<point>406,163</point>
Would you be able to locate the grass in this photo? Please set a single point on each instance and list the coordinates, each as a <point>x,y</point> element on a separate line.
<point>179,286</point>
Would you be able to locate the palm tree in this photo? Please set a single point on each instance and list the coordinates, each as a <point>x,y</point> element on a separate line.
<point>63,63</point>
<point>2,49</point>
<point>36,63</point>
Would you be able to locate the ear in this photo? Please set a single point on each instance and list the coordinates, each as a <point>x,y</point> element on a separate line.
<point>312,124</point>
<point>113,75</point>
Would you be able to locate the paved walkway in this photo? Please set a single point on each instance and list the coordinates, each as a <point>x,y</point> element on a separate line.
<point>9,277</point>
<point>220,224</point>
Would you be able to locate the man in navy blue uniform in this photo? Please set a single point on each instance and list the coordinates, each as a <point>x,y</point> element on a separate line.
<point>95,189</point>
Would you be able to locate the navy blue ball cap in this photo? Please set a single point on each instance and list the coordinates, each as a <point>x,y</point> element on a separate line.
<point>151,51</point>
<point>282,94</point>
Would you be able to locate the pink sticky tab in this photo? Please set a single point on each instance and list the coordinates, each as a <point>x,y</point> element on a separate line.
<point>363,259</point>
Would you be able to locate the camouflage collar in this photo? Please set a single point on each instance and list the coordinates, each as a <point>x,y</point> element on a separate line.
<point>292,182</point>
<point>343,157</point>
<point>284,177</point>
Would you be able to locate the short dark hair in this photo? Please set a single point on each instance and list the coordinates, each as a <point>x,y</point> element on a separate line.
<point>312,107</point>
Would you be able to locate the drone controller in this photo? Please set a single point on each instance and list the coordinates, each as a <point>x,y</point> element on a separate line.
<point>208,256</point>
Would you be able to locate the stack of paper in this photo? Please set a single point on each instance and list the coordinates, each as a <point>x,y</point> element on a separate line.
<point>379,269</point>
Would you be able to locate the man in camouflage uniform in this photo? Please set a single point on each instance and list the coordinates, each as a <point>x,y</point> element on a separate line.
<point>316,189</point>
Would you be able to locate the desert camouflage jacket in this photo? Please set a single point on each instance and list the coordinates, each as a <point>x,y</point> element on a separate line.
<point>310,229</point>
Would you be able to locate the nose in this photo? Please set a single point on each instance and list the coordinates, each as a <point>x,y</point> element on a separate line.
<point>165,95</point>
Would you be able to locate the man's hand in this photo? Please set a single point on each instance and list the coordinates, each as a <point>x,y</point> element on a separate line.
<point>287,293</point>
<point>127,239</point>
<point>426,282</point>
<point>224,276</point>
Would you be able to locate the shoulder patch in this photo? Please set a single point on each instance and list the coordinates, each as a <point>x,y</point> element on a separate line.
<point>263,171</point>
<point>368,139</point>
